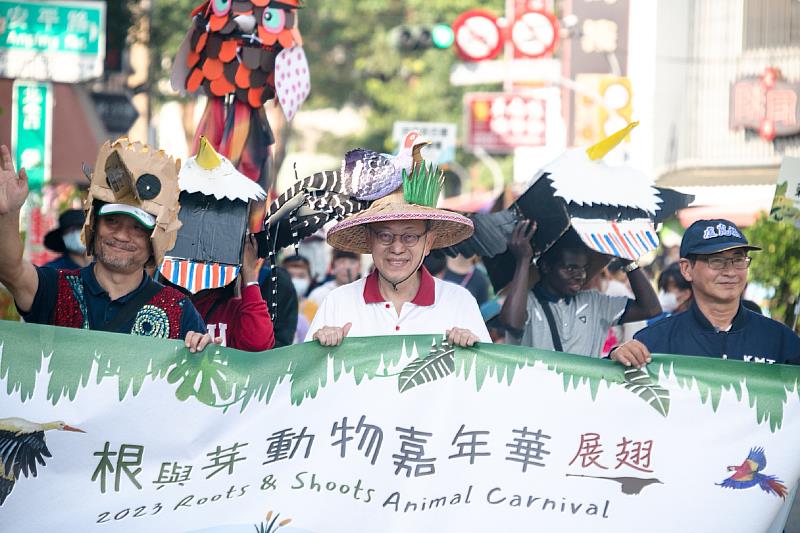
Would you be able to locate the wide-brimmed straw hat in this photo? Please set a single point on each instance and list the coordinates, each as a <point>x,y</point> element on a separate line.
<point>450,228</point>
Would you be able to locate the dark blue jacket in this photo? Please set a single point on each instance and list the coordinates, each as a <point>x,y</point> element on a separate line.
<point>100,308</point>
<point>752,337</point>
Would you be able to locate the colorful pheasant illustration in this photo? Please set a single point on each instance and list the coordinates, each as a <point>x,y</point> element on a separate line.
<point>748,475</point>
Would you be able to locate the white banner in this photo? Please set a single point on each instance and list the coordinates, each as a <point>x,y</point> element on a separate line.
<point>385,434</point>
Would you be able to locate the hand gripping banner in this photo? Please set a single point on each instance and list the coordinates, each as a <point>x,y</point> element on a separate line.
<point>107,432</point>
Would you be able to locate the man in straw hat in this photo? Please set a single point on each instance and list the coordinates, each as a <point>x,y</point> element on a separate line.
<point>400,297</point>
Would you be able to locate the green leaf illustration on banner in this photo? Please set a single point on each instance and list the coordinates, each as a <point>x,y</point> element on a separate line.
<point>496,360</point>
<point>73,371</point>
<point>639,382</point>
<point>712,379</point>
<point>225,378</point>
<point>438,364</point>
<point>19,368</point>
<point>203,368</point>
<point>131,368</point>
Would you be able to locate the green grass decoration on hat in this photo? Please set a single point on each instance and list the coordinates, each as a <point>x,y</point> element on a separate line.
<point>424,184</point>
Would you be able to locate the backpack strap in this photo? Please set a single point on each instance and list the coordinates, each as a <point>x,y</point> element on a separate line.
<point>551,321</point>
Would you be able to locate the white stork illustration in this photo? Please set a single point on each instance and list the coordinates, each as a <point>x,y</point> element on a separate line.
<point>22,445</point>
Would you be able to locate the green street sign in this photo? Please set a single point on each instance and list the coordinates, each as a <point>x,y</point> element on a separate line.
<point>52,40</point>
<point>31,130</point>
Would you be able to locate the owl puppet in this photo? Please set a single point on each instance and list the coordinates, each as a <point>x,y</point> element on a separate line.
<point>241,53</point>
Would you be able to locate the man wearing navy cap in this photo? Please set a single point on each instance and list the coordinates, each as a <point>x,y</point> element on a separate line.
<point>714,260</point>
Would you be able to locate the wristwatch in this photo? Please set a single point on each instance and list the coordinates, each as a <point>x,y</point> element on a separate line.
<point>630,267</point>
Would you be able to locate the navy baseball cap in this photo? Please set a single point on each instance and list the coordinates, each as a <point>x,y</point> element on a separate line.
<point>712,236</point>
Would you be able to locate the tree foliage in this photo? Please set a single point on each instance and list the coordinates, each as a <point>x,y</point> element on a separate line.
<point>352,61</point>
<point>778,265</point>
<point>169,22</point>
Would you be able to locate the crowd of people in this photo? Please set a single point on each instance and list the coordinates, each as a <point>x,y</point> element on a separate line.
<point>388,276</point>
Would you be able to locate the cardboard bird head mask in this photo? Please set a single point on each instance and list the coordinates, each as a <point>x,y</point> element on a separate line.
<point>612,209</point>
<point>137,175</point>
<point>216,204</point>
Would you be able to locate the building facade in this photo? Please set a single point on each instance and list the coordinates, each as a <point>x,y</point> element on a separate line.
<point>716,86</point>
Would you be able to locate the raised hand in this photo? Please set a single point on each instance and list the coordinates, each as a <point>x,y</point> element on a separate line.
<point>251,264</point>
<point>13,186</point>
<point>520,244</point>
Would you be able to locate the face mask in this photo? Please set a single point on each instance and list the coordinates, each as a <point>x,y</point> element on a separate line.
<point>72,242</point>
<point>300,285</point>
<point>668,301</point>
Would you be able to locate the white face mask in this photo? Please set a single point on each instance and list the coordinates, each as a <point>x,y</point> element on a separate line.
<point>301,285</point>
<point>72,242</point>
<point>668,301</point>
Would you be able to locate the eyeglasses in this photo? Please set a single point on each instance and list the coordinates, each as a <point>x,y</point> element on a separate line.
<point>386,238</point>
<point>721,263</point>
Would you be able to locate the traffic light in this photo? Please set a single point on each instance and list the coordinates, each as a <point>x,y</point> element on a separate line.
<point>595,120</point>
<point>617,111</point>
<point>442,36</point>
<point>408,38</point>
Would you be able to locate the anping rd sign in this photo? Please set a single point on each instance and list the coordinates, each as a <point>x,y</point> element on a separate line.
<point>60,41</point>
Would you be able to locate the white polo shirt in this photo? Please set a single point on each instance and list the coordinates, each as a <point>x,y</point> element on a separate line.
<point>438,306</point>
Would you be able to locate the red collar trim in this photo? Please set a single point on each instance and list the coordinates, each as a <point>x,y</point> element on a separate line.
<point>426,294</point>
<point>372,293</point>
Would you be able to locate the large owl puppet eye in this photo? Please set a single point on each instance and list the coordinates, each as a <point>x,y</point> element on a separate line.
<point>221,7</point>
<point>273,20</point>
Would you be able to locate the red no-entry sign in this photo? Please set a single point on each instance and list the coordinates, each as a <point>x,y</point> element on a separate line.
<point>477,35</point>
<point>534,34</point>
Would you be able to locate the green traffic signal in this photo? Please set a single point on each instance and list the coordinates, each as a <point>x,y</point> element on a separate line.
<point>414,37</point>
<point>442,36</point>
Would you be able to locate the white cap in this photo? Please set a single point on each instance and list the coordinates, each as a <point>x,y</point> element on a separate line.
<point>145,219</point>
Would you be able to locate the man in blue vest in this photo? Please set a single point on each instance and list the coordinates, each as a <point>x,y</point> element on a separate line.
<point>114,293</point>
<point>714,261</point>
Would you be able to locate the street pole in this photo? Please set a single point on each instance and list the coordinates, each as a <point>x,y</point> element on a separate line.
<point>148,5</point>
